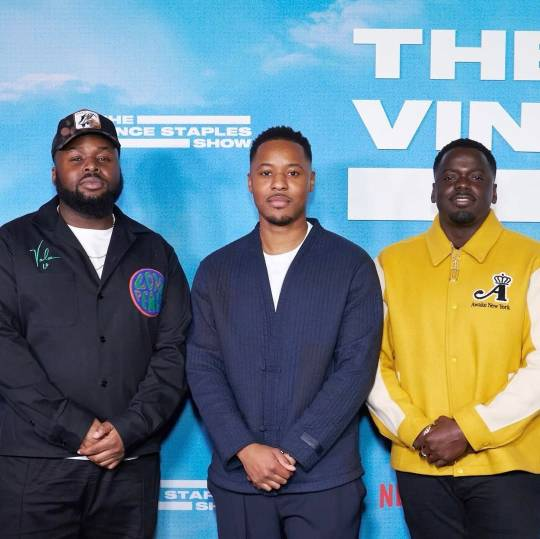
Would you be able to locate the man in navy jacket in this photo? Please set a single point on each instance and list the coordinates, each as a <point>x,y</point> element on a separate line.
<point>93,311</point>
<point>281,355</point>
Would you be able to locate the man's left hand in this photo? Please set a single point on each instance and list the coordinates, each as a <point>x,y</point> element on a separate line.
<point>444,443</point>
<point>108,449</point>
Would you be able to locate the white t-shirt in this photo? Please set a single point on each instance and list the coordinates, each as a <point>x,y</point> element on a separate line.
<point>95,243</point>
<point>278,265</point>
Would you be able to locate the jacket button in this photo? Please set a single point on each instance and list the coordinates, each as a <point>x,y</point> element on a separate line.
<point>102,339</point>
<point>104,383</point>
<point>262,428</point>
<point>100,296</point>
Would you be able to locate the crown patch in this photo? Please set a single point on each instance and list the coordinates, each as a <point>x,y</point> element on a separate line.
<point>501,281</point>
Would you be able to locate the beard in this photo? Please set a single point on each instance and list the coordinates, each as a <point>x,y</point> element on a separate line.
<point>96,207</point>
<point>280,221</point>
<point>283,220</point>
<point>462,217</point>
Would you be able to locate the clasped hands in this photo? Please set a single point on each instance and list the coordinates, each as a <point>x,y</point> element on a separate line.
<point>267,468</point>
<point>442,442</point>
<point>102,445</point>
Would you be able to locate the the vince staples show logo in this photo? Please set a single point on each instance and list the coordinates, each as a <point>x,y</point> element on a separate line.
<point>182,131</point>
<point>185,495</point>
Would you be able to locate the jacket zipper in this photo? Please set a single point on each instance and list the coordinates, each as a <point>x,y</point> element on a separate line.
<point>454,265</point>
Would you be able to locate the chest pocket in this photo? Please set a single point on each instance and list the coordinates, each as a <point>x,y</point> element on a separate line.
<point>49,299</point>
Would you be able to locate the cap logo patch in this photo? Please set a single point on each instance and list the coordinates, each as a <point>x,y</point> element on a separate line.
<point>87,119</point>
<point>146,291</point>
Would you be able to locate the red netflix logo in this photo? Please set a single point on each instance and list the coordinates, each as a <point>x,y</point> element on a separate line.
<point>389,496</point>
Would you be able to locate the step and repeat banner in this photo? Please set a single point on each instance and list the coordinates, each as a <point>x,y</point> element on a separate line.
<point>376,85</point>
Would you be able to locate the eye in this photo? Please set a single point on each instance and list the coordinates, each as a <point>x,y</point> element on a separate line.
<point>477,177</point>
<point>104,158</point>
<point>265,172</point>
<point>294,172</point>
<point>75,158</point>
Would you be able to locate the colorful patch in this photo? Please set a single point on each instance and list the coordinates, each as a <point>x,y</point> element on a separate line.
<point>146,290</point>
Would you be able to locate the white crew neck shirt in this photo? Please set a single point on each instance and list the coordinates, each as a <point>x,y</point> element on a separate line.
<point>95,243</point>
<point>278,265</point>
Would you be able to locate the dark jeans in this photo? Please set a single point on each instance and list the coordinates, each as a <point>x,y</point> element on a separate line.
<point>74,499</point>
<point>477,507</point>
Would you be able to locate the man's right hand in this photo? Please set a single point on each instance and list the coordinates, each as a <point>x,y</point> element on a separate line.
<point>90,437</point>
<point>419,445</point>
<point>266,467</point>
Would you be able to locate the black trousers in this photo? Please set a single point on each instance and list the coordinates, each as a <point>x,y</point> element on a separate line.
<point>503,506</point>
<point>328,514</point>
<point>72,499</point>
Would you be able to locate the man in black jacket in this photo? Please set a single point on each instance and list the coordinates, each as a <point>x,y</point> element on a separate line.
<point>93,312</point>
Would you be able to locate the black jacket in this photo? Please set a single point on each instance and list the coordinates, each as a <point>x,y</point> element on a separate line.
<point>74,347</point>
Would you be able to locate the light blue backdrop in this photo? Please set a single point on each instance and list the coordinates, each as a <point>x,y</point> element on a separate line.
<point>178,77</point>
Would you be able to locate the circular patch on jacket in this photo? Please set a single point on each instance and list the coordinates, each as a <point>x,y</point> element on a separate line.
<point>146,290</point>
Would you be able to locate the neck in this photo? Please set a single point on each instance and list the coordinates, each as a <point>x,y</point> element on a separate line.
<point>459,235</point>
<point>73,218</point>
<point>282,239</point>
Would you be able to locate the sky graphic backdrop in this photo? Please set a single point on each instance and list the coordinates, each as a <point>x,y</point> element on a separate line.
<point>277,62</point>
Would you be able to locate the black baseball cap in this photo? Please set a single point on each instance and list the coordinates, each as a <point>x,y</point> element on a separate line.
<point>83,122</point>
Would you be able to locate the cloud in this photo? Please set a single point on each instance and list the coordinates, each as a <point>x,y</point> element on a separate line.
<point>274,64</point>
<point>330,30</point>
<point>333,28</point>
<point>281,57</point>
<point>39,83</point>
<point>80,49</point>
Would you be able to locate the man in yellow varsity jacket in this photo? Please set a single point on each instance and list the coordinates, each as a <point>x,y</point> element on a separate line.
<point>458,385</point>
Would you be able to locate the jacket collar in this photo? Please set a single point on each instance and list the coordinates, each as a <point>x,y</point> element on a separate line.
<point>439,246</point>
<point>124,235</point>
<point>256,262</point>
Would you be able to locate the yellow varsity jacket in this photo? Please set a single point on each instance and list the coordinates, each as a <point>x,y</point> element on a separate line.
<point>461,339</point>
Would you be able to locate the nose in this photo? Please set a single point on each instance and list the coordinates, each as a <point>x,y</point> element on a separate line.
<point>91,165</point>
<point>462,182</point>
<point>279,181</point>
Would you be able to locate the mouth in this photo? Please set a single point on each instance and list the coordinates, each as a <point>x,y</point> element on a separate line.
<point>92,183</point>
<point>463,200</point>
<point>278,201</point>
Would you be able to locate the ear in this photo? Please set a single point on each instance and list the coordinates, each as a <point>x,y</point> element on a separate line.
<point>433,193</point>
<point>312,181</point>
<point>53,175</point>
<point>494,199</point>
<point>250,184</point>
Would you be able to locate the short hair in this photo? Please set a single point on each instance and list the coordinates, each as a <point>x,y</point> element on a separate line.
<point>466,143</point>
<point>281,132</point>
